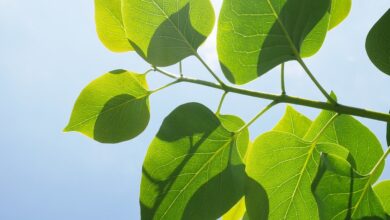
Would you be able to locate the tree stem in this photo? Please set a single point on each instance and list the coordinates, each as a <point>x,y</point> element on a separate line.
<point>268,107</point>
<point>210,70</point>
<point>310,74</point>
<point>339,108</point>
<point>221,102</point>
<point>282,79</point>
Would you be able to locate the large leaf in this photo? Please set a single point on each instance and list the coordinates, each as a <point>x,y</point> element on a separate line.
<point>254,36</point>
<point>339,11</point>
<point>382,190</point>
<point>378,43</point>
<point>164,32</point>
<point>342,193</point>
<point>283,166</point>
<point>109,25</point>
<point>192,169</point>
<point>348,132</point>
<point>112,108</point>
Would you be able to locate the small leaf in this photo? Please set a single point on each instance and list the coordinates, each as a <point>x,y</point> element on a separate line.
<point>342,193</point>
<point>254,36</point>
<point>378,44</point>
<point>109,25</point>
<point>112,108</point>
<point>192,169</point>
<point>164,32</point>
<point>382,190</point>
<point>237,212</point>
<point>293,122</point>
<point>348,132</point>
<point>339,11</point>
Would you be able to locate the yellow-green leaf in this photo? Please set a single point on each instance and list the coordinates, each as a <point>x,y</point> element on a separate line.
<point>109,25</point>
<point>112,108</point>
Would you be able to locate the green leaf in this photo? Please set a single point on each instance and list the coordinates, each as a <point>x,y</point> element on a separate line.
<point>282,167</point>
<point>164,32</point>
<point>348,132</point>
<point>293,122</point>
<point>112,108</point>
<point>382,190</point>
<point>339,11</point>
<point>237,212</point>
<point>342,193</point>
<point>254,36</point>
<point>192,169</point>
<point>378,44</point>
<point>109,25</point>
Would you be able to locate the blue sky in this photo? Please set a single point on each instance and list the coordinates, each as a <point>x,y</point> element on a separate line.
<point>49,51</point>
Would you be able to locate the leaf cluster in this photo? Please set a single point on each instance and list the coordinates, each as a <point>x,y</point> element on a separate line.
<point>201,164</point>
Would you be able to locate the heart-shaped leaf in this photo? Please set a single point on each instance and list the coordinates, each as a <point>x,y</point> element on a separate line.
<point>339,11</point>
<point>112,108</point>
<point>254,36</point>
<point>164,32</point>
<point>193,169</point>
<point>109,25</point>
<point>378,43</point>
<point>342,193</point>
<point>382,190</point>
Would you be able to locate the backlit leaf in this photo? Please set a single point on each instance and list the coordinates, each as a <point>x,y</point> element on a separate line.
<point>237,212</point>
<point>378,43</point>
<point>164,32</point>
<point>282,167</point>
<point>112,108</point>
<point>339,11</point>
<point>109,25</point>
<point>342,193</point>
<point>382,190</point>
<point>192,169</point>
<point>254,36</point>
<point>293,122</point>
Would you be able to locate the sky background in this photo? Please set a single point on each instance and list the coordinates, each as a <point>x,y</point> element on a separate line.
<point>49,51</point>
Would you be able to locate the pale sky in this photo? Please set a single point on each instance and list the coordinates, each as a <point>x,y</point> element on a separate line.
<point>49,51</point>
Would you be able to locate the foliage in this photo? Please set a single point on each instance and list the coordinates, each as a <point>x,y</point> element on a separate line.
<point>201,164</point>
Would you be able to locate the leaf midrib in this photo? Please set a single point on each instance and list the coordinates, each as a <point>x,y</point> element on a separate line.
<point>174,25</point>
<point>294,49</point>
<point>108,110</point>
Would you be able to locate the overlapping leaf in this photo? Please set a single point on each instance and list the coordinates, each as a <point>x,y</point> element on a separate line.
<point>193,169</point>
<point>112,108</point>
<point>284,162</point>
<point>237,212</point>
<point>109,25</point>
<point>382,190</point>
<point>378,43</point>
<point>254,36</point>
<point>342,193</point>
<point>164,32</point>
<point>351,134</point>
